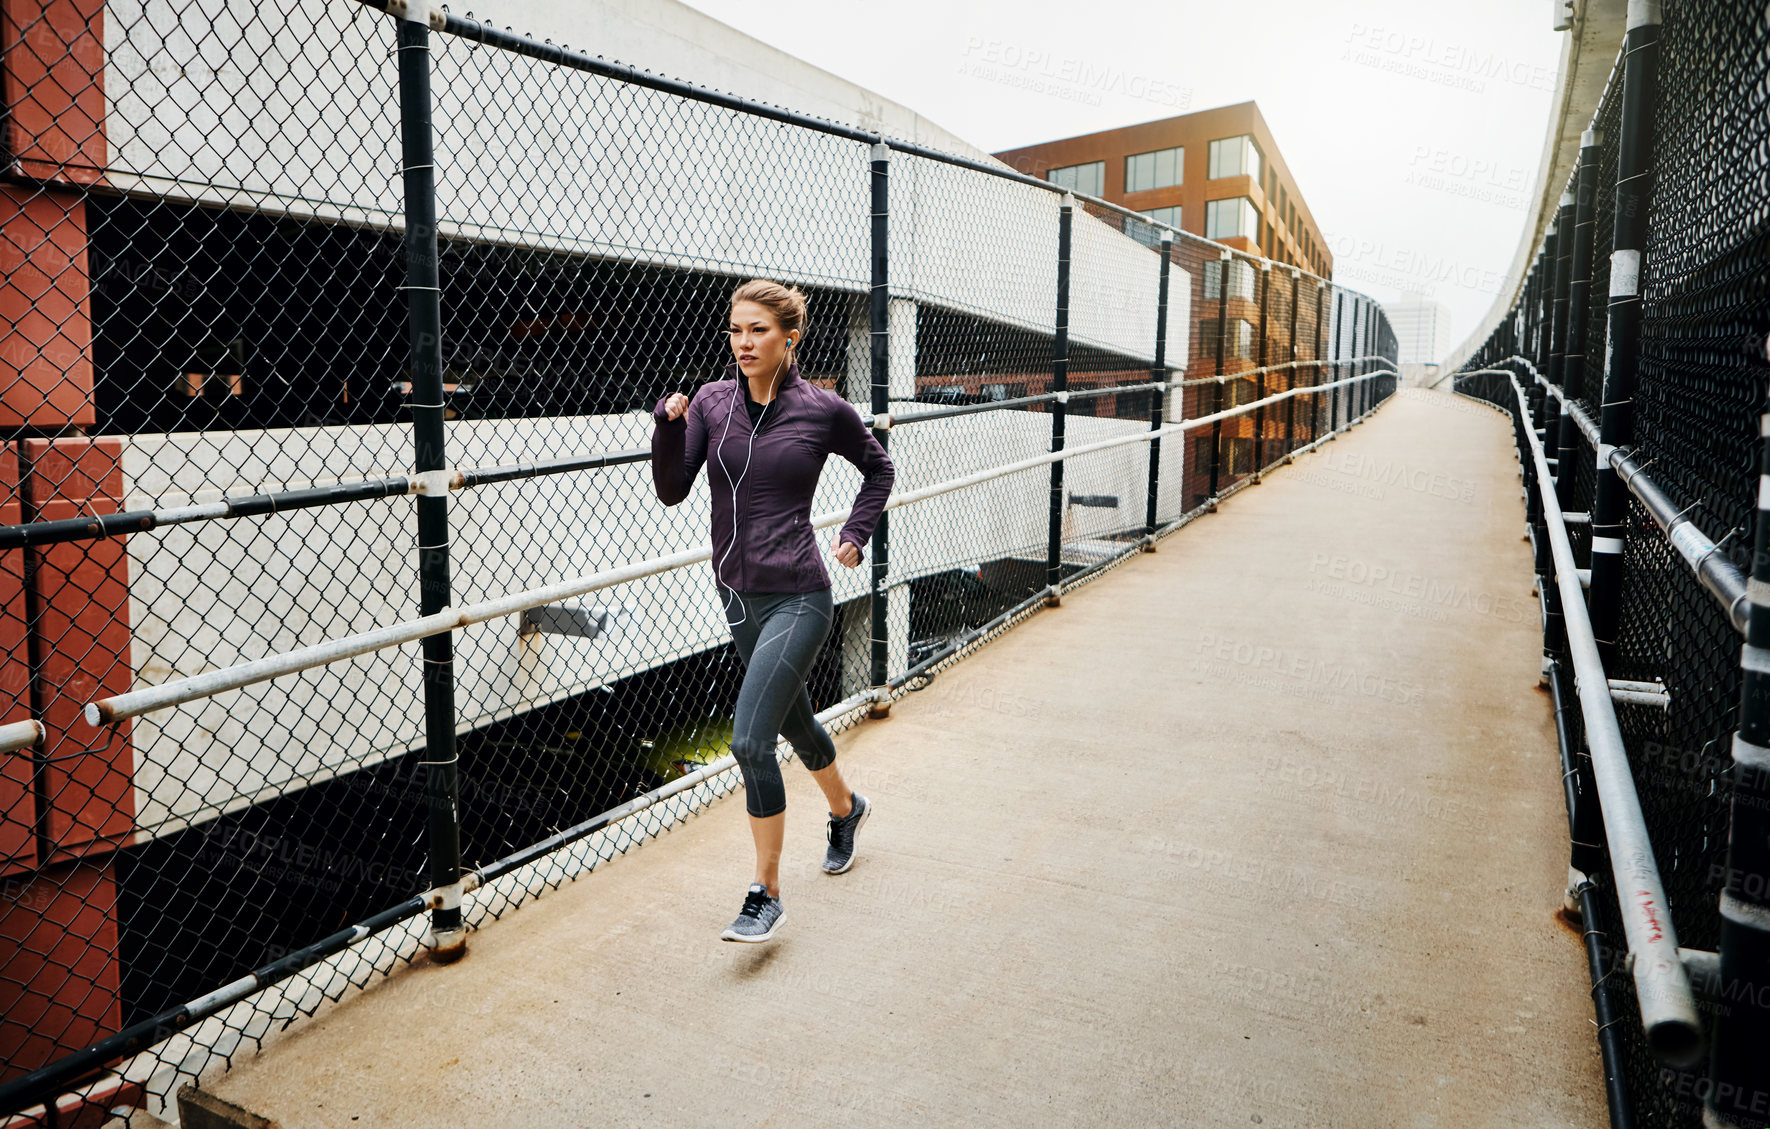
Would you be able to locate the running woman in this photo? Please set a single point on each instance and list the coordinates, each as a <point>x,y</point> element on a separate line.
<point>763,468</point>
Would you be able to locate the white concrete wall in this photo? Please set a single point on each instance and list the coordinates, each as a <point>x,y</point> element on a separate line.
<point>530,154</point>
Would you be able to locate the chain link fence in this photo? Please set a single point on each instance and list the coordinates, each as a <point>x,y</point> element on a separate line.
<point>1656,401</point>
<point>214,408</point>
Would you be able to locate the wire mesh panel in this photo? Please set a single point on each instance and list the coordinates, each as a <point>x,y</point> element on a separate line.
<point>1700,390</point>
<point>204,286</point>
<point>972,309</point>
<point>210,458</point>
<point>1694,448</point>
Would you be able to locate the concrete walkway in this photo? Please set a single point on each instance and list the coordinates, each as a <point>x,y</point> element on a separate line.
<point>1263,828</point>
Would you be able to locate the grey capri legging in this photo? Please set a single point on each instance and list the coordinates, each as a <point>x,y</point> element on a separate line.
<point>777,635</point>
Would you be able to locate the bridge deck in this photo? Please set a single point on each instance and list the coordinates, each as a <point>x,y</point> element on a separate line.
<point>1262,828</point>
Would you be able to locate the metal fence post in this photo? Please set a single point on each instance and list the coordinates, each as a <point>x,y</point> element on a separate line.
<point>1290,405</point>
<point>1224,262</point>
<point>1563,278</point>
<point>1737,1093</point>
<point>1545,293</point>
<point>879,319</point>
<point>1561,272</point>
<point>448,940</point>
<point>1533,308</point>
<point>1554,625</point>
<point>1323,345</point>
<point>1579,300</point>
<point>1337,335</point>
<point>1616,424</point>
<point>1526,323</point>
<point>1367,388</point>
<point>1159,372</point>
<point>1354,367</point>
<point>1259,451</point>
<point>1059,385</point>
<point>1545,332</point>
<point>1360,346</point>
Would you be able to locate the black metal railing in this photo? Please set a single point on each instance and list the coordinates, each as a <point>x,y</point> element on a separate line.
<point>1638,345</point>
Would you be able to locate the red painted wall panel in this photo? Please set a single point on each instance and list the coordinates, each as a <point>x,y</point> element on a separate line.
<point>45,309</point>
<point>82,589</point>
<point>60,991</point>
<point>52,60</point>
<point>18,809</point>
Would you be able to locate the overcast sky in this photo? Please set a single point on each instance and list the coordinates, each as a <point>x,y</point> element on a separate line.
<point>1413,129</point>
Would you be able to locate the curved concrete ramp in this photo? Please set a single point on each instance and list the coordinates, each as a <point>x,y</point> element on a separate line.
<point>1254,830</point>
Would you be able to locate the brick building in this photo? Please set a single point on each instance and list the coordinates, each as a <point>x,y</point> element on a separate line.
<point>1216,173</point>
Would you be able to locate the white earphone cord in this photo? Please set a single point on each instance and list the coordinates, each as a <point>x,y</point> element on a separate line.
<point>719,453</point>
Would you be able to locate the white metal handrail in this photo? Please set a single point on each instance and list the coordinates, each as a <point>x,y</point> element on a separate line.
<point>20,735</point>
<point>1662,986</point>
<point>120,707</point>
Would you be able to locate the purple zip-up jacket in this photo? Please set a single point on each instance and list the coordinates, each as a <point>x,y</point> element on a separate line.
<point>776,548</point>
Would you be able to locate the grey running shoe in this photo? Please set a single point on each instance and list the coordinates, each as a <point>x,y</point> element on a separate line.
<point>840,856</point>
<point>759,919</point>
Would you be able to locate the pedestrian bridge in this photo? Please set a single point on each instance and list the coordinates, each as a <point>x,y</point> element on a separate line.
<point>1262,827</point>
<point>1235,759</point>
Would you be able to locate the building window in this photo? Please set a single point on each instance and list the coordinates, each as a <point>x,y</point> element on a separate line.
<point>1169,215</point>
<point>1160,169</point>
<point>1088,179</point>
<point>1151,236</point>
<point>217,373</point>
<point>1241,279</point>
<point>1226,219</point>
<point>1236,455</point>
<point>1132,405</point>
<point>1239,342</point>
<point>1235,156</point>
